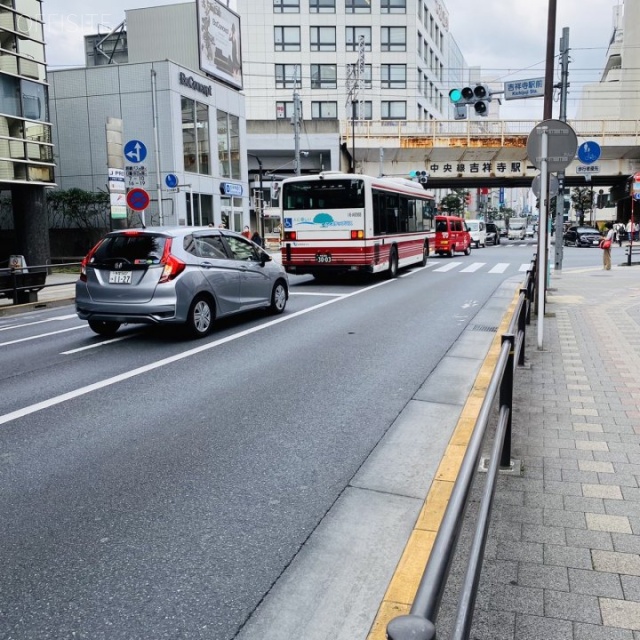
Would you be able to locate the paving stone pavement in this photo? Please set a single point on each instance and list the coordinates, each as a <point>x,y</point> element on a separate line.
<point>562,559</point>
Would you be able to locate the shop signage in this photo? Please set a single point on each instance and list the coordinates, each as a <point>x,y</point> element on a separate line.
<point>192,83</point>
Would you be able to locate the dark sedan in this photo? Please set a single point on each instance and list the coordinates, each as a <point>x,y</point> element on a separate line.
<point>582,237</point>
<point>493,233</point>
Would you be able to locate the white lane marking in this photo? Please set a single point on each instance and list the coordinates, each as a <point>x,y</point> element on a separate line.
<point>524,267</point>
<point>45,404</point>
<point>97,344</point>
<point>473,267</point>
<point>501,267</point>
<point>31,324</point>
<point>313,293</point>
<point>448,266</point>
<point>41,335</point>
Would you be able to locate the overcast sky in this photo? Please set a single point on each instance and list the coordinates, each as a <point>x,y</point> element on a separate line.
<point>506,38</point>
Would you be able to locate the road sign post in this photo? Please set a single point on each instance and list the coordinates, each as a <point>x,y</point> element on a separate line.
<point>551,146</point>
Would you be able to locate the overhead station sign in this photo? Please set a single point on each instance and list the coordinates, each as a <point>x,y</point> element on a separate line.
<point>518,89</point>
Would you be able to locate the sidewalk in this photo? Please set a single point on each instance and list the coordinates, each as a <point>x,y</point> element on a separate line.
<point>562,559</point>
<point>60,289</point>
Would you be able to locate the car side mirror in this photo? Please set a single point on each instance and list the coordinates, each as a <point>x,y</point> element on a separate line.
<point>265,257</point>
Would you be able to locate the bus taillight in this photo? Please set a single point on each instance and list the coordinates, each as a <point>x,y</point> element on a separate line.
<point>357,235</point>
<point>290,235</point>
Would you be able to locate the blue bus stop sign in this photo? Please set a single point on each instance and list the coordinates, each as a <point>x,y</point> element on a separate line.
<point>589,152</point>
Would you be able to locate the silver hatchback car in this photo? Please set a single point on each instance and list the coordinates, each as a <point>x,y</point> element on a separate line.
<point>180,275</point>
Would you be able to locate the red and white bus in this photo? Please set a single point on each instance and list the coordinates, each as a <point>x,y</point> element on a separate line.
<point>342,222</point>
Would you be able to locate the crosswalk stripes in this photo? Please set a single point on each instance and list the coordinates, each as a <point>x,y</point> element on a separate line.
<point>500,267</point>
<point>448,267</point>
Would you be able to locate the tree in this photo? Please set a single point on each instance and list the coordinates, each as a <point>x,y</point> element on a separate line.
<point>582,200</point>
<point>453,202</point>
<point>79,209</point>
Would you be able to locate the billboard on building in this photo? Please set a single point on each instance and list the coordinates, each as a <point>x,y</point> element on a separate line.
<point>219,42</point>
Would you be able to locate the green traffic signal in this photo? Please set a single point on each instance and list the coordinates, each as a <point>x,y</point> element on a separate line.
<point>455,95</point>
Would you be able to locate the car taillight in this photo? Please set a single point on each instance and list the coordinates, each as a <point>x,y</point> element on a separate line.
<point>172,266</point>
<point>290,235</point>
<point>85,262</point>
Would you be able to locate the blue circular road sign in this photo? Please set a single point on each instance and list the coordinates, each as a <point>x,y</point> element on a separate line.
<point>135,151</point>
<point>589,152</point>
<point>138,199</point>
<point>171,180</point>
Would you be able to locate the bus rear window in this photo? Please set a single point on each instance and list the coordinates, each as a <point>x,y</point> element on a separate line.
<point>323,194</point>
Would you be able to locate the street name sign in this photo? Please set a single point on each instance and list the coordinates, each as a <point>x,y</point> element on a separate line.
<point>518,89</point>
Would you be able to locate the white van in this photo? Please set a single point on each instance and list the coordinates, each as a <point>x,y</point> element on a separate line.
<point>478,232</point>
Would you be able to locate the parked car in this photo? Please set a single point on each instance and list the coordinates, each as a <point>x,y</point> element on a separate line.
<point>584,236</point>
<point>478,232</point>
<point>451,236</point>
<point>184,275</point>
<point>492,233</point>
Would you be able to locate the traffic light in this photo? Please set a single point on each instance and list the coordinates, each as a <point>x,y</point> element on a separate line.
<point>478,96</point>
<point>481,99</point>
<point>419,175</point>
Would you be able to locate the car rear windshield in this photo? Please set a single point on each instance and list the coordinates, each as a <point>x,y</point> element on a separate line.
<point>135,249</point>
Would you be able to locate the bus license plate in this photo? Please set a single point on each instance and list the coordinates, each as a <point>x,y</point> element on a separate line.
<point>323,257</point>
<point>120,277</point>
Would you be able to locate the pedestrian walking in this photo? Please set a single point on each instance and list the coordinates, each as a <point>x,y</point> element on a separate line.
<point>605,244</point>
<point>246,233</point>
<point>256,238</point>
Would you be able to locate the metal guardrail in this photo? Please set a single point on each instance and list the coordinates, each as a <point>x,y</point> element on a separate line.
<point>420,622</point>
<point>25,282</point>
<point>599,130</point>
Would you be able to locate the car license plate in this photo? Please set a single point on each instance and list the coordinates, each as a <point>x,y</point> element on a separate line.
<point>323,257</point>
<point>120,277</point>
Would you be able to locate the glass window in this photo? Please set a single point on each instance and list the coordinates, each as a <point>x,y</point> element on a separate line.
<point>353,35</point>
<point>284,109</point>
<point>32,8</point>
<point>322,6</point>
<point>393,76</point>
<point>196,145</point>
<point>234,145</point>
<point>323,194</point>
<point>323,38</point>
<point>140,249</point>
<point>34,100</point>
<point>324,110</point>
<point>324,76</point>
<point>188,135</point>
<point>367,110</point>
<point>202,141</point>
<point>393,6</point>
<point>286,6</point>
<point>223,145</point>
<point>393,110</point>
<point>366,77</point>
<point>242,249</point>
<point>209,246</point>
<point>357,6</point>
<point>393,39</point>
<point>288,76</point>
<point>9,95</point>
<point>286,38</point>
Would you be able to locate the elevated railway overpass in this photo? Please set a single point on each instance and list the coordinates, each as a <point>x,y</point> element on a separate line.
<point>485,153</point>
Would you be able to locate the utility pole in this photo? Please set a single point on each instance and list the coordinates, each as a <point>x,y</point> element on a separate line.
<point>296,124</point>
<point>564,85</point>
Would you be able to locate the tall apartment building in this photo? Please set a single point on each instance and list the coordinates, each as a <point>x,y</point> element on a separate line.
<point>402,49</point>
<point>26,150</point>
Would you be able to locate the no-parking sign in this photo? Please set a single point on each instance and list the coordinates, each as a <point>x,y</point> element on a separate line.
<point>137,199</point>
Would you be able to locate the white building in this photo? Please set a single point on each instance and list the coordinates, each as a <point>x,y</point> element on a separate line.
<point>313,47</point>
<point>201,124</point>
